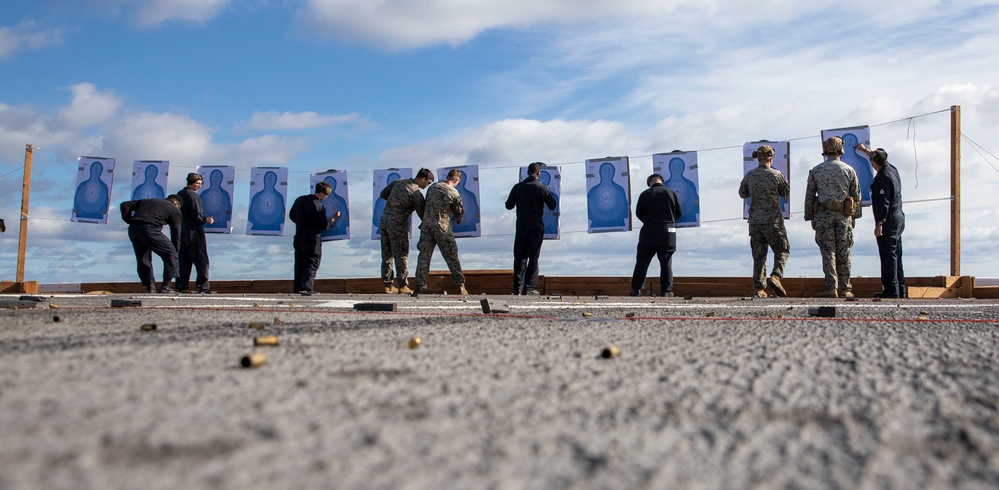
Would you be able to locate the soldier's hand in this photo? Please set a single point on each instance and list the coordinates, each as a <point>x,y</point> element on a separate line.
<point>853,222</point>
<point>336,215</point>
<point>209,220</point>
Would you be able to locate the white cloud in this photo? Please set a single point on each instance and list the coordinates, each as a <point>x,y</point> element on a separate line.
<point>156,12</point>
<point>25,36</point>
<point>401,24</point>
<point>290,121</point>
<point>522,141</point>
<point>89,106</point>
<point>266,150</point>
<point>154,136</point>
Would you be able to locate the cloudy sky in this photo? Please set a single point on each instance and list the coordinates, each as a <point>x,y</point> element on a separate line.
<point>359,85</point>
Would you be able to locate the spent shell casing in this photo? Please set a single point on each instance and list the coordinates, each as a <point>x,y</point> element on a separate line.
<point>146,327</point>
<point>414,342</point>
<point>265,340</point>
<point>253,360</point>
<point>256,325</point>
<point>610,352</point>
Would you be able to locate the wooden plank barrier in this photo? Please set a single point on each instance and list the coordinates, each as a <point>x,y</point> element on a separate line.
<point>500,282</point>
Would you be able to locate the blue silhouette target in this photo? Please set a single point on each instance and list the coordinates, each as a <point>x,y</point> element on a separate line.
<point>782,164</point>
<point>551,177</point>
<point>468,189</point>
<point>608,191</point>
<point>94,179</point>
<point>149,179</point>
<point>679,169</point>
<point>382,178</point>
<point>859,162</point>
<point>216,196</point>
<point>268,194</point>
<point>339,200</point>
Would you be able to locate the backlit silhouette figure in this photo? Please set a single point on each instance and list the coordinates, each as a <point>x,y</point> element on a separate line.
<point>549,217</point>
<point>471,203</point>
<point>332,204</point>
<point>690,201</point>
<point>863,168</point>
<point>608,203</point>
<point>267,206</point>
<point>149,189</point>
<point>217,202</point>
<point>92,196</point>
<point>379,208</point>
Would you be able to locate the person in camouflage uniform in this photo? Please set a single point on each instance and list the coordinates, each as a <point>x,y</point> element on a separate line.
<point>443,202</point>
<point>832,204</point>
<point>402,197</point>
<point>765,186</point>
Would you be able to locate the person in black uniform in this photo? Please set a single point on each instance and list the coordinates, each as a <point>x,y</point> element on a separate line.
<point>145,219</point>
<point>193,247</point>
<point>529,197</point>
<point>658,209</point>
<point>310,220</point>
<point>889,222</point>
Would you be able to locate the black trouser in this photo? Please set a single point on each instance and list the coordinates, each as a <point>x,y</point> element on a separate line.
<point>308,255</point>
<point>526,250</point>
<point>147,239</point>
<point>193,253</point>
<point>892,275</point>
<point>664,250</point>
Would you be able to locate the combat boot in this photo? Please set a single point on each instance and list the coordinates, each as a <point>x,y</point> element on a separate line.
<point>390,289</point>
<point>405,290</point>
<point>778,288</point>
<point>760,294</point>
<point>461,290</point>
<point>416,291</point>
<point>828,293</point>
<point>845,294</point>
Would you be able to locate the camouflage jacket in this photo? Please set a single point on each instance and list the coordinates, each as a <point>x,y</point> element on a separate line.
<point>402,197</point>
<point>443,201</point>
<point>765,185</point>
<point>831,179</point>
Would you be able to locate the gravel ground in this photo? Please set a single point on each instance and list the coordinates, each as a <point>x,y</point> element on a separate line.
<point>706,393</point>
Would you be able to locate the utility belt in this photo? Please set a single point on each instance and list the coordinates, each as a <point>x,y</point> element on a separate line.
<point>848,206</point>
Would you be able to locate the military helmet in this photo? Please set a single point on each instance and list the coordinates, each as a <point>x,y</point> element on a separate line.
<point>763,152</point>
<point>833,146</point>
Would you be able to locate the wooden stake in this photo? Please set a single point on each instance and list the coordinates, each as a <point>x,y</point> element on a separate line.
<point>25,193</point>
<point>955,190</point>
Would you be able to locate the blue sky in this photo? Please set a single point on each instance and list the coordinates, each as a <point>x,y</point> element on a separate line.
<point>359,85</point>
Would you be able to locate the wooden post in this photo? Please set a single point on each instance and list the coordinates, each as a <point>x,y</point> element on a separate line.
<point>955,190</point>
<point>25,193</point>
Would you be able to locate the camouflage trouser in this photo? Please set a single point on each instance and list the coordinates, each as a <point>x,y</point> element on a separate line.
<point>834,236</point>
<point>449,249</point>
<point>762,237</point>
<point>395,247</point>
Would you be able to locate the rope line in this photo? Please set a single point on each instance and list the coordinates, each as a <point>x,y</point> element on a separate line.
<point>731,147</point>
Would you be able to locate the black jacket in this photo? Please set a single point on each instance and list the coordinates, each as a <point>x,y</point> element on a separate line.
<point>886,200</point>
<point>530,197</point>
<point>193,224</point>
<point>156,212</point>
<point>309,217</point>
<point>658,209</point>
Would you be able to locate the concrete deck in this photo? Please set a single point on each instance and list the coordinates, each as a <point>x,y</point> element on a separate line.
<point>706,393</point>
